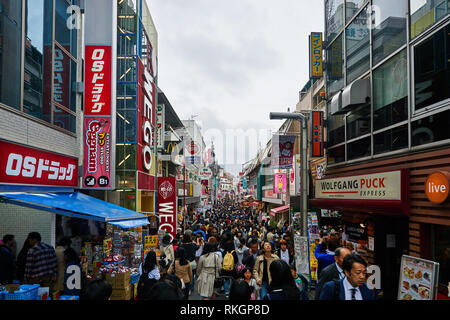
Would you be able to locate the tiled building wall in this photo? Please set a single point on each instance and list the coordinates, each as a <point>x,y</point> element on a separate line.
<point>20,221</point>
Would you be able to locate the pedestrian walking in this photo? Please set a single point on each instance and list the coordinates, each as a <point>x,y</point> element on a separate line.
<point>22,259</point>
<point>183,270</point>
<point>249,256</point>
<point>282,286</point>
<point>41,265</point>
<point>261,270</point>
<point>327,258</point>
<point>240,291</point>
<point>333,271</point>
<point>208,269</point>
<point>284,253</point>
<point>7,260</point>
<point>149,275</point>
<point>353,286</point>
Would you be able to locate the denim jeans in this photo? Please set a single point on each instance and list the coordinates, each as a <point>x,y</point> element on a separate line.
<point>263,290</point>
<point>226,285</point>
<point>191,285</point>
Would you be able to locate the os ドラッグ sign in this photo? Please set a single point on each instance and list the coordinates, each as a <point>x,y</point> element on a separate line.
<point>167,205</point>
<point>377,186</point>
<point>23,165</point>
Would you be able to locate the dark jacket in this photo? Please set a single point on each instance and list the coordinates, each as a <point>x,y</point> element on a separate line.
<point>330,273</point>
<point>22,261</point>
<point>328,291</point>
<point>7,265</point>
<point>291,256</point>
<point>248,260</point>
<point>190,249</point>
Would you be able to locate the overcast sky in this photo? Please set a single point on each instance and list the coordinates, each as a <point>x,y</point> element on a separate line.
<point>232,62</point>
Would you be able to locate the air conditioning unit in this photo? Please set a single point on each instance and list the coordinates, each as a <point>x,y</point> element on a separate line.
<point>356,94</point>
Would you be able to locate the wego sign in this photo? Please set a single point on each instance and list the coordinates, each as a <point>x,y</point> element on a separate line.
<point>437,186</point>
<point>167,206</point>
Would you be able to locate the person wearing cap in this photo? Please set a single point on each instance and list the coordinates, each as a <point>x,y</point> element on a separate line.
<point>284,253</point>
<point>276,241</point>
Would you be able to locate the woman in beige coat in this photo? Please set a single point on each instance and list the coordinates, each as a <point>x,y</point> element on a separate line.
<point>261,271</point>
<point>207,271</point>
<point>183,270</point>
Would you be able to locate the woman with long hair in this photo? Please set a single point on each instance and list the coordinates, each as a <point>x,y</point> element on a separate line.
<point>282,286</point>
<point>183,270</point>
<point>149,272</point>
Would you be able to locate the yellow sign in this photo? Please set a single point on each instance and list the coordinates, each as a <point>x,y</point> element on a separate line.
<point>107,244</point>
<point>316,47</point>
<point>151,241</point>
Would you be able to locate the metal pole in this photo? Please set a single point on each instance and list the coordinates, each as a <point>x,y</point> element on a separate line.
<point>304,177</point>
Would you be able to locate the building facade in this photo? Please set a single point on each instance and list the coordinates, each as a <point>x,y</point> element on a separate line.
<point>388,114</point>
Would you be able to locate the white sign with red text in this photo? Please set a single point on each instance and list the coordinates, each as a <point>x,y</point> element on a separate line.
<point>377,186</point>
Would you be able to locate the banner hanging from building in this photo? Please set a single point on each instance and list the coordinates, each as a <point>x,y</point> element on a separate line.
<point>167,205</point>
<point>280,183</point>
<point>316,55</point>
<point>160,126</point>
<point>282,151</point>
<point>316,134</point>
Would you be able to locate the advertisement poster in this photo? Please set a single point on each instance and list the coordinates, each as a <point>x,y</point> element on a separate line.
<point>280,183</point>
<point>282,151</point>
<point>313,241</point>
<point>97,152</point>
<point>167,206</point>
<point>301,254</point>
<point>418,279</point>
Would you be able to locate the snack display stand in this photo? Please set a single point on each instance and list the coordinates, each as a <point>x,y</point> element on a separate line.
<point>418,279</point>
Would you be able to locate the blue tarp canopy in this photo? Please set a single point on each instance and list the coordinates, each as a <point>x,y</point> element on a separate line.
<point>78,205</point>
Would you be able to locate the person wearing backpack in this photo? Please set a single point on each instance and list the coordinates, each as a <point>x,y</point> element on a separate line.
<point>282,286</point>
<point>149,272</point>
<point>229,262</point>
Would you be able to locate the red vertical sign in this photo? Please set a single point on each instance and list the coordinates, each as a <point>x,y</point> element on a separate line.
<point>97,118</point>
<point>167,205</point>
<point>317,134</point>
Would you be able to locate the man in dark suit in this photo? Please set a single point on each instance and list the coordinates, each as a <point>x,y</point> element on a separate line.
<point>353,286</point>
<point>250,255</point>
<point>333,271</point>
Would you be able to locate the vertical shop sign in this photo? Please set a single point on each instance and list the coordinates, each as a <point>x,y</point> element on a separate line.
<point>280,183</point>
<point>99,95</point>
<point>167,206</point>
<point>316,59</point>
<point>316,134</point>
<point>282,151</point>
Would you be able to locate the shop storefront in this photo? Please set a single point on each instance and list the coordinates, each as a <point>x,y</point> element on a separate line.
<point>389,198</point>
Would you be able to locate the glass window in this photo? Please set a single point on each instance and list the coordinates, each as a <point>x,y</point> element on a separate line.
<point>336,155</point>
<point>65,72</point>
<point>335,70</point>
<point>126,70</point>
<point>336,129</point>
<point>126,46</point>
<point>127,22</point>
<point>390,92</point>
<point>358,122</point>
<point>126,126</point>
<point>126,103</point>
<point>425,13</point>
<point>64,120</point>
<point>125,156</point>
<point>66,37</point>
<point>431,129</point>
<point>352,7</point>
<point>389,30</point>
<point>10,53</point>
<point>441,252</point>
<point>359,149</point>
<point>431,69</point>
<point>38,57</point>
<point>334,15</point>
<point>126,89</point>
<point>391,140</point>
<point>357,37</point>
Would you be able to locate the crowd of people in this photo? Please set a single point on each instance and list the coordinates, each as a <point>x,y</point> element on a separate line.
<point>227,251</point>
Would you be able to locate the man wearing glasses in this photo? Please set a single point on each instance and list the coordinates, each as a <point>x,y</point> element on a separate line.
<point>353,286</point>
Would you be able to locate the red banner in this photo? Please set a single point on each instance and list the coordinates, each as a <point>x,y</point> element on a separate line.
<point>317,134</point>
<point>97,81</point>
<point>29,166</point>
<point>97,152</point>
<point>167,205</point>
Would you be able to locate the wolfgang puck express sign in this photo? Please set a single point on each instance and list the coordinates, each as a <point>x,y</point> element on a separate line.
<point>377,186</point>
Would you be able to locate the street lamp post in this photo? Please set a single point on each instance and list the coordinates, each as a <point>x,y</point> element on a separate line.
<point>303,161</point>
